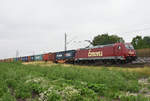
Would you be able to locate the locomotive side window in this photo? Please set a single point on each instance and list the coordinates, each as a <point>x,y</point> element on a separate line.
<point>119,47</point>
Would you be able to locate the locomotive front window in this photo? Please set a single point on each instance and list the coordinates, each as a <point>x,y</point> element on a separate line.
<point>129,46</point>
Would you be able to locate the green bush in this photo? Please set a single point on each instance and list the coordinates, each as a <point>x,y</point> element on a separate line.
<point>11,83</point>
<point>54,97</point>
<point>7,97</point>
<point>23,91</point>
<point>133,86</point>
<point>87,92</point>
<point>35,87</point>
<point>3,88</point>
<point>69,83</point>
<point>98,88</point>
<point>134,98</point>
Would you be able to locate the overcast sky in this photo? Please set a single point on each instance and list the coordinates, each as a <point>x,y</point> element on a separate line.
<point>38,26</point>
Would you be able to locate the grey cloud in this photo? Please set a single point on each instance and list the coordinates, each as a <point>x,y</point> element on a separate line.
<point>39,25</point>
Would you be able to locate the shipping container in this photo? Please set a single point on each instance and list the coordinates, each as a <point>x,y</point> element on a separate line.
<point>49,57</point>
<point>29,58</point>
<point>38,57</point>
<point>65,56</point>
<point>46,57</point>
<point>32,58</point>
<point>11,59</point>
<point>24,59</point>
<point>60,55</point>
<point>14,59</point>
<point>6,60</point>
<point>2,60</point>
<point>52,57</point>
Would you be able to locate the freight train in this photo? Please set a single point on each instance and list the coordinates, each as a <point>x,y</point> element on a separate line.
<point>116,53</point>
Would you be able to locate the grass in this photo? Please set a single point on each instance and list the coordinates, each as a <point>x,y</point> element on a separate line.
<point>69,83</point>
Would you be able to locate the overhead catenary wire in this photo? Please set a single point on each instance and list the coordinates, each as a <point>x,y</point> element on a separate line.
<point>138,30</point>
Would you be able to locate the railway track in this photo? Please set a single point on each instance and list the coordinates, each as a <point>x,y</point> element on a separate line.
<point>131,65</point>
<point>137,63</point>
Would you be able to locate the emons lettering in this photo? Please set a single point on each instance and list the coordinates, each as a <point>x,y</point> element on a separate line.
<point>98,53</point>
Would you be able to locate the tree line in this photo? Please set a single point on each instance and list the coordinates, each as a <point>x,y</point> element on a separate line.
<point>138,42</point>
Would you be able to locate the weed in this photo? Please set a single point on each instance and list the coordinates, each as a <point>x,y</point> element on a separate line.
<point>71,83</point>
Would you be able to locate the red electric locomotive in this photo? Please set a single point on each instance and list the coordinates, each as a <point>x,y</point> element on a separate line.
<point>112,53</point>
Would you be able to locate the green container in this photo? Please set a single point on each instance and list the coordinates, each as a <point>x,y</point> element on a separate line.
<point>38,57</point>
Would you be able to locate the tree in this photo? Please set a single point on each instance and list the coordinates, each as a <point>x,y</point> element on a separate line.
<point>106,39</point>
<point>136,41</point>
<point>146,40</point>
<point>139,43</point>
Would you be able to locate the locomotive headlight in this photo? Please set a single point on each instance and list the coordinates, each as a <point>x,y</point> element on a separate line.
<point>130,52</point>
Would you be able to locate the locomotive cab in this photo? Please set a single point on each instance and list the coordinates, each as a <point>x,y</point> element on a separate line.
<point>125,52</point>
<point>130,52</point>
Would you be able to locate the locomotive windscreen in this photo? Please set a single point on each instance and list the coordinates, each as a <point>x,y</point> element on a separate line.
<point>129,46</point>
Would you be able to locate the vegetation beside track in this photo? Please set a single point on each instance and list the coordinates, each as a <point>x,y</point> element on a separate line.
<point>42,81</point>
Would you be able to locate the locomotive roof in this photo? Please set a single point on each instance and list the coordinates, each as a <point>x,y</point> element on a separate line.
<point>98,46</point>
